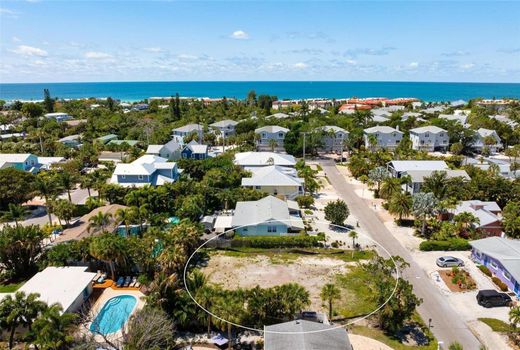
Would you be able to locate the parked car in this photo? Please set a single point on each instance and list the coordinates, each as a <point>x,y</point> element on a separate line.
<point>491,298</point>
<point>449,261</point>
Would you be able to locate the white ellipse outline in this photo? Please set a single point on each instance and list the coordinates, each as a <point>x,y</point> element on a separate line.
<point>278,332</point>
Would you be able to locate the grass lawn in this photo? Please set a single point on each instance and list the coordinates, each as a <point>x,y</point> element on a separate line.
<point>286,255</point>
<point>395,344</point>
<point>11,287</point>
<point>496,325</point>
<point>355,293</point>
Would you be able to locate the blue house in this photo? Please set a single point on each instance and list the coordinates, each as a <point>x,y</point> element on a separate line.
<point>146,170</point>
<point>22,161</point>
<point>502,257</point>
<point>194,150</point>
<point>268,216</point>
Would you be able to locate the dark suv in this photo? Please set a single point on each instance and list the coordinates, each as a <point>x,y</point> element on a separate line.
<point>490,298</point>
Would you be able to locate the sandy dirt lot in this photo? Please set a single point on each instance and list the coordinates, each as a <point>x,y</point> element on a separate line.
<point>247,272</point>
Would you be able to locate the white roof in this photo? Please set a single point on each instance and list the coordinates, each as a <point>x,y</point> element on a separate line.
<point>407,165</point>
<point>481,210</point>
<point>271,176</point>
<point>379,119</point>
<point>223,222</point>
<point>224,123</point>
<point>254,159</point>
<point>154,149</point>
<point>47,161</point>
<point>56,114</point>
<point>430,128</point>
<point>279,116</point>
<point>59,284</point>
<point>70,138</point>
<point>272,129</point>
<point>419,175</point>
<point>486,132</point>
<point>382,129</point>
<point>14,157</point>
<point>198,149</point>
<point>461,118</point>
<point>190,128</point>
<point>144,165</point>
<point>333,128</point>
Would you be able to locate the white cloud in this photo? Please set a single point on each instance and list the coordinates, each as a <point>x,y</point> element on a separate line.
<point>16,39</point>
<point>467,66</point>
<point>413,64</point>
<point>352,62</point>
<point>25,50</point>
<point>5,11</point>
<point>300,65</point>
<point>153,49</point>
<point>96,55</point>
<point>239,35</point>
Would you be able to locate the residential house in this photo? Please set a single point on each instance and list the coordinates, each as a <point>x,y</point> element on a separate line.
<point>305,335</point>
<point>20,161</point>
<point>502,257</point>
<point>417,116</point>
<point>268,216</point>
<point>130,143</point>
<point>146,170</point>
<point>333,138</point>
<point>504,119</point>
<point>171,150</point>
<point>225,127</point>
<point>279,116</point>
<point>275,180</point>
<point>179,134</point>
<point>481,138</point>
<point>417,178</point>
<point>271,136</point>
<point>398,167</point>
<point>379,119</point>
<point>69,286</point>
<point>107,138</point>
<point>382,137</point>
<point>460,118</point>
<point>59,116</point>
<point>429,138</point>
<point>502,166</point>
<point>248,160</point>
<point>489,215</point>
<point>72,141</point>
<point>194,150</point>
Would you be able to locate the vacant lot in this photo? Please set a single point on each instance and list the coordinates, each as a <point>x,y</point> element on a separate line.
<point>242,271</point>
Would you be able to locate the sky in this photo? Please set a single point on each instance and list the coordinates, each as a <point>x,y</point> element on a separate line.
<point>76,41</point>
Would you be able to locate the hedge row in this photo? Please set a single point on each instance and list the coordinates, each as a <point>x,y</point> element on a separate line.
<point>485,270</point>
<point>452,244</point>
<point>500,284</point>
<point>279,241</point>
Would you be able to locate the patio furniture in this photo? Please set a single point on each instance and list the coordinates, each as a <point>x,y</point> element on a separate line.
<point>127,281</point>
<point>134,281</point>
<point>120,282</point>
<point>102,278</point>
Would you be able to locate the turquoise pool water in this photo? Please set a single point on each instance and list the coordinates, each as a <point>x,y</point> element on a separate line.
<point>114,314</point>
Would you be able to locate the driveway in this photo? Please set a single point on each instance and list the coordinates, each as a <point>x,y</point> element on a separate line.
<point>447,325</point>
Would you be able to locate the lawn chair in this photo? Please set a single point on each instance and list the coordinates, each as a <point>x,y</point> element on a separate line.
<point>128,279</point>
<point>134,281</point>
<point>120,282</point>
<point>102,278</point>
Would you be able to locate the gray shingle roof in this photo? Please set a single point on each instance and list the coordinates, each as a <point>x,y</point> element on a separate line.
<point>305,337</point>
<point>267,209</point>
<point>506,251</point>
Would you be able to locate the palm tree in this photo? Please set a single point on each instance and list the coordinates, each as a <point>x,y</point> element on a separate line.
<point>205,297</point>
<point>329,293</point>
<point>19,311</point>
<point>46,188</point>
<point>230,308</point>
<point>111,249</point>
<point>15,213</point>
<point>514,316</point>
<point>99,221</point>
<point>126,216</point>
<point>87,182</point>
<point>67,182</point>
<point>389,186</point>
<point>52,329</point>
<point>437,184</point>
<point>272,144</point>
<point>465,220</point>
<point>354,235</point>
<point>401,205</point>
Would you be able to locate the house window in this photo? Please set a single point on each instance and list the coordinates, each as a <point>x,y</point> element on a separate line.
<point>493,264</point>
<point>123,177</point>
<point>280,135</point>
<point>507,276</point>
<point>257,187</point>
<point>140,177</point>
<point>427,135</point>
<point>271,229</point>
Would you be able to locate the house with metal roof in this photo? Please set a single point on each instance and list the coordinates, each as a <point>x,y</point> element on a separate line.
<point>481,141</point>
<point>72,141</point>
<point>194,150</point>
<point>382,137</point>
<point>279,116</point>
<point>489,215</point>
<point>417,178</point>
<point>225,127</point>
<point>178,134</point>
<point>146,170</point>
<point>59,116</point>
<point>398,167</point>
<point>275,180</point>
<point>332,138</point>
<point>270,133</point>
<point>305,335</point>
<point>269,216</point>
<point>107,138</point>
<point>459,118</point>
<point>429,138</point>
<point>248,160</point>
<point>170,150</point>
<point>20,161</point>
<point>502,257</point>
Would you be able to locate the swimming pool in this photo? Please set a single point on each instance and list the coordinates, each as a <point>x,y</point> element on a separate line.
<point>114,314</point>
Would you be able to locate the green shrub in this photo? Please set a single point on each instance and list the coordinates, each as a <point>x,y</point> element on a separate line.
<point>278,241</point>
<point>305,201</point>
<point>485,270</point>
<point>448,245</point>
<point>500,284</point>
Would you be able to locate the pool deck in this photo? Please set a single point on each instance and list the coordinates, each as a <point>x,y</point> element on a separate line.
<point>111,284</point>
<point>109,293</point>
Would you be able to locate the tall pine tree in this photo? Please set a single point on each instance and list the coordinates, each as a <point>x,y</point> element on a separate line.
<point>48,102</point>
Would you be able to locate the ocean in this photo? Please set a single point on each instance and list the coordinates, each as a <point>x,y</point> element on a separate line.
<point>135,91</point>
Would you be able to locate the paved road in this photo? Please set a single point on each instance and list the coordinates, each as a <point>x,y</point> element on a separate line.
<point>447,327</point>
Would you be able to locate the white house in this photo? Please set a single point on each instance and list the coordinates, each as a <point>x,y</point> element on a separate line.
<point>279,116</point>
<point>417,178</point>
<point>59,116</point>
<point>480,140</point>
<point>398,167</point>
<point>69,286</point>
<point>333,139</point>
<point>429,138</point>
<point>248,160</point>
<point>489,215</point>
<point>461,118</point>
<point>226,127</point>
<point>171,150</point>
<point>384,136</point>
<point>275,180</point>
<point>71,141</point>
<point>270,133</point>
<point>179,134</point>
<point>146,170</point>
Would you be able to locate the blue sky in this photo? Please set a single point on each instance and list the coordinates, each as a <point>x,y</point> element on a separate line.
<point>59,41</point>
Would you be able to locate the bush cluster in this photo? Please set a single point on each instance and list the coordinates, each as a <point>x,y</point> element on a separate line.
<point>500,284</point>
<point>485,270</point>
<point>448,245</point>
<point>279,241</point>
